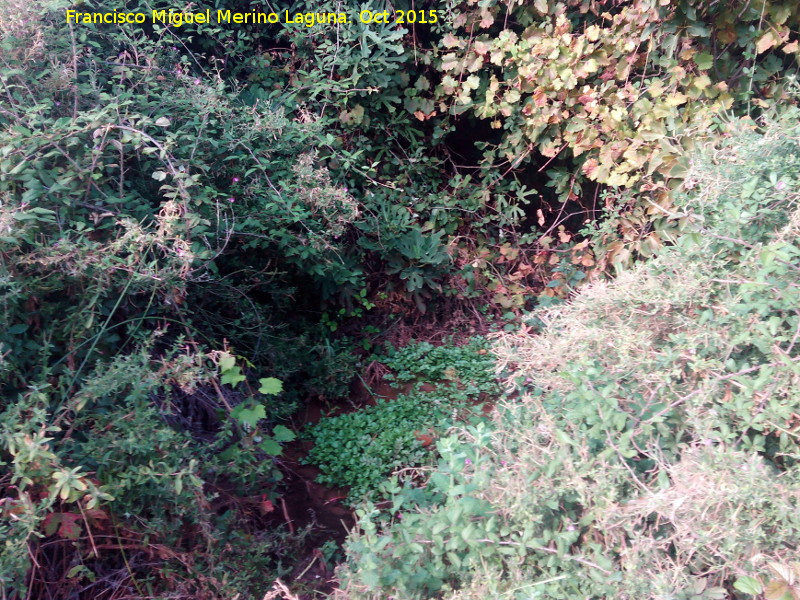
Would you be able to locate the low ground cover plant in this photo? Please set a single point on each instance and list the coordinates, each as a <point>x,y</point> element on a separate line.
<point>360,449</point>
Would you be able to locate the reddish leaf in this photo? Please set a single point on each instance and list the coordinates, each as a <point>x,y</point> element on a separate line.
<point>69,526</point>
<point>65,523</point>
<point>96,514</point>
<point>266,505</point>
<point>51,523</point>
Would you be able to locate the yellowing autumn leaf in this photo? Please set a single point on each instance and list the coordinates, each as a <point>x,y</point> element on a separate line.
<point>776,590</point>
<point>480,47</point>
<point>767,41</point>
<point>451,41</point>
<point>592,33</point>
<point>676,99</point>
<point>590,168</point>
<point>656,88</point>
<point>449,62</point>
<point>702,82</point>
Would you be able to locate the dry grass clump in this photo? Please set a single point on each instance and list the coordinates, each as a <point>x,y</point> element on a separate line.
<point>619,324</point>
<point>719,508</point>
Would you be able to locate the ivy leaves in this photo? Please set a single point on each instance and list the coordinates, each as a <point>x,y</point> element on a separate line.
<point>249,414</point>
<point>270,386</point>
<point>612,89</point>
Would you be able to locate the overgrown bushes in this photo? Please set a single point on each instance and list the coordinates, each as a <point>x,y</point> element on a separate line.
<point>182,212</point>
<point>655,452</point>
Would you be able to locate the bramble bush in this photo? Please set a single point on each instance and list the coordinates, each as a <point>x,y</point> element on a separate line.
<point>104,479</point>
<point>120,426</point>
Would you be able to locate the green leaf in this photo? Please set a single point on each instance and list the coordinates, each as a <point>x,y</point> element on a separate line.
<point>271,447</point>
<point>283,434</point>
<point>704,61</point>
<point>270,386</point>
<point>81,571</point>
<point>249,415</point>
<point>748,585</point>
<point>226,361</point>
<point>233,377</point>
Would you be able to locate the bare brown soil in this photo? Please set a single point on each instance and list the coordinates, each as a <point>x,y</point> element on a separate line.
<point>306,503</point>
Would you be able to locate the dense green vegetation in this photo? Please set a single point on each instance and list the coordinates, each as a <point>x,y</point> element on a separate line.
<point>654,451</point>
<point>360,449</point>
<point>584,211</point>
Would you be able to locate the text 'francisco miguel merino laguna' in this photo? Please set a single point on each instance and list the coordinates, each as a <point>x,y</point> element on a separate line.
<point>177,18</point>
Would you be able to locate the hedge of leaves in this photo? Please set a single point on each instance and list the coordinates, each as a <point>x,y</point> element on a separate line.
<point>168,196</point>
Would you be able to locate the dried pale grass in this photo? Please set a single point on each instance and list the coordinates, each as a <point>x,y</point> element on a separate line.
<point>709,519</point>
<point>7,221</point>
<point>280,592</point>
<point>618,324</point>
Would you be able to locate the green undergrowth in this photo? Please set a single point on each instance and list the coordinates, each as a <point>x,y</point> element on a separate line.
<point>193,217</point>
<point>471,365</point>
<point>107,468</point>
<point>654,452</point>
<point>360,449</point>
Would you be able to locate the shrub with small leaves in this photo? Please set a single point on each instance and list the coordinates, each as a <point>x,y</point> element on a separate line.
<point>653,452</point>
